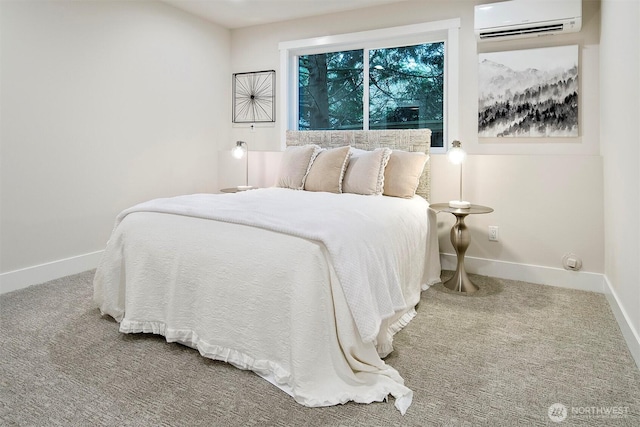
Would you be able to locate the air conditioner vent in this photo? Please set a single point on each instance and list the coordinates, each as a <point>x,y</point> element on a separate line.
<point>542,29</point>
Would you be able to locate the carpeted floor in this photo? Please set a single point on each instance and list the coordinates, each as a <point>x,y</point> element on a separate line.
<point>499,358</point>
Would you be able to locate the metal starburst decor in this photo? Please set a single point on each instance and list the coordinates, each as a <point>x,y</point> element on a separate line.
<point>254,97</point>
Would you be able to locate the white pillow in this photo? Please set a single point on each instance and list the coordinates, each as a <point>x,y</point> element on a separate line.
<point>327,170</point>
<point>295,165</point>
<point>402,174</point>
<point>365,172</point>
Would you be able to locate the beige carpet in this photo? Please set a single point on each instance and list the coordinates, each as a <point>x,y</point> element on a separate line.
<point>499,358</point>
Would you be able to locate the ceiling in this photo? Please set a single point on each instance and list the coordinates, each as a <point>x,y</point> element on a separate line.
<point>245,13</point>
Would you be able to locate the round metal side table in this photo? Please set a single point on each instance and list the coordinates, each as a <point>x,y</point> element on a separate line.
<point>460,240</point>
<point>236,189</point>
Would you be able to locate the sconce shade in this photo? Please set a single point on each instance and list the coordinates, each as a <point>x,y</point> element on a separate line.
<point>456,154</point>
<point>239,150</point>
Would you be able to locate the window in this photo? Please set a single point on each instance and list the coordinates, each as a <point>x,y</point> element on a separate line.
<point>330,90</point>
<point>395,78</point>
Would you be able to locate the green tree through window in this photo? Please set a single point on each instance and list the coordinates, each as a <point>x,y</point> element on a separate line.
<point>406,89</point>
<point>331,90</point>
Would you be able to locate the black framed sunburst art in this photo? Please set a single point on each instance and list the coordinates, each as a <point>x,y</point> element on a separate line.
<point>254,99</point>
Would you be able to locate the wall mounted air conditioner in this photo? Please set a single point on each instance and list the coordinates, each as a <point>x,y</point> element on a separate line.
<point>527,18</point>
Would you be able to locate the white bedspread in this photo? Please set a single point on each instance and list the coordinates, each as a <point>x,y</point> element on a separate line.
<point>368,238</point>
<point>279,307</point>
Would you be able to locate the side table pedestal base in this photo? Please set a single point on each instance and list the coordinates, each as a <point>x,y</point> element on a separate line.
<point>460,282</point>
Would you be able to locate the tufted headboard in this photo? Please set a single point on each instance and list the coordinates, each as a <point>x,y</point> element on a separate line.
<point>402,139</point>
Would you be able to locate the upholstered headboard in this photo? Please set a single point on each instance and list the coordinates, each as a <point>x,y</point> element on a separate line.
<point>402,139</point>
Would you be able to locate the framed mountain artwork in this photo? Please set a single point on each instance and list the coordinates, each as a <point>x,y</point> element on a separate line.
<point>528,93</point>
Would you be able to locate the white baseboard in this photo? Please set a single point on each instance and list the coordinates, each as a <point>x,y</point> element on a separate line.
<point>630,334</point>
<point>581,280</point>
<point>19,279</point>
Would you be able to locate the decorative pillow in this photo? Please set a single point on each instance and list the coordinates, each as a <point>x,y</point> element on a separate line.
<point>327,170</point>
<point>402,174</point>
<point>295,165</point>
<point>365,172</point>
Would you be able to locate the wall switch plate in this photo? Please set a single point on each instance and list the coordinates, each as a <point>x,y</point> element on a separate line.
<point>493,233</point>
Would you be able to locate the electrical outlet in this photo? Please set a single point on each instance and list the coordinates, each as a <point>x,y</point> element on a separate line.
<point>493,233</point>
<point>571,261</point>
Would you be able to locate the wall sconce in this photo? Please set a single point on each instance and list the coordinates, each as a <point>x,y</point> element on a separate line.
<point>239,151</point>
<point>456,155</point>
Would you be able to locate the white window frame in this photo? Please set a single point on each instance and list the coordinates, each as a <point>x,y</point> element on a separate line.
<point>446,30</point>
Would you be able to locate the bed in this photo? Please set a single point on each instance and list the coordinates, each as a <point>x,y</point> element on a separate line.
<point>304,283</point>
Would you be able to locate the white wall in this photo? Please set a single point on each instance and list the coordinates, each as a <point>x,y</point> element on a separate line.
<point>620,140</point>
<point>104,104</point>
<point>547,193</point>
